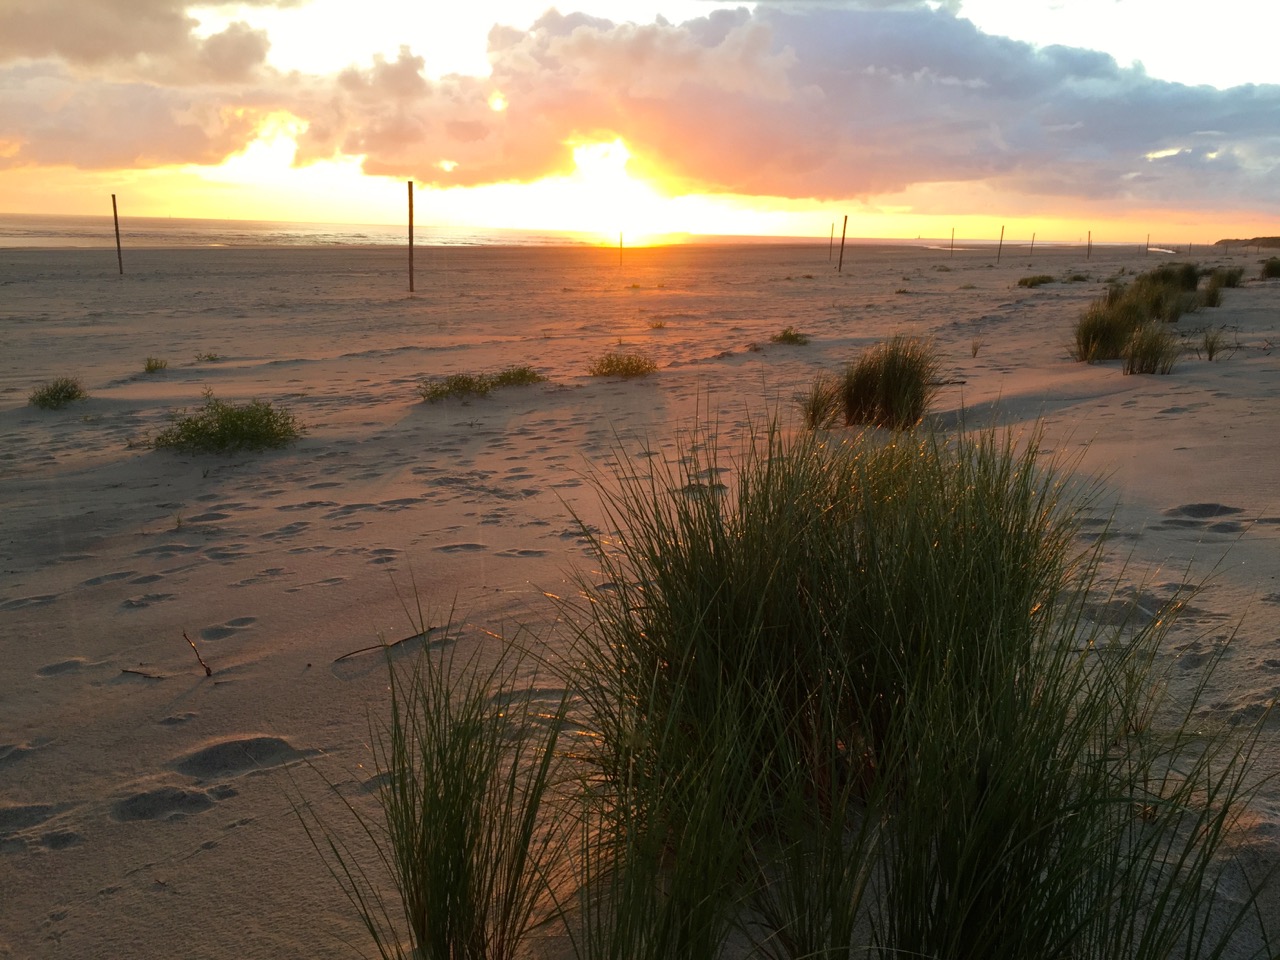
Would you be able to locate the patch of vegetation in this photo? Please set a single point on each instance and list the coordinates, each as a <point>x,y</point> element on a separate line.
<point>209,357</point>
<point>657,324</point>
<point>821,406</point>
<point>1153,348</point>
<point>1228,277</point>
<point>796,718</point>
<point>1271,268</point>
<point>1078,278</point>
<point>1039,280</point>
<point>58,393</point>
<point>154,365</point>
<point>222,427</point>
<point>619,364</point>
<point>1106,328</point>
<point>790,335</point>
<point>468,385</point>
<point>891,384</point>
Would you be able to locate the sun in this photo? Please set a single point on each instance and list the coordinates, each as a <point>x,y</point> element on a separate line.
<point>612,202</point>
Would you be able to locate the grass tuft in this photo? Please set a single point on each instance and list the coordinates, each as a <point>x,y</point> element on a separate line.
<point>154,365</point>
<point>822,404</point>
<point>791,336</point>
<point>1271,268</point>
<point>1039,280</point>
<point>58,393</point>
<point>468,385</point>
<point>618,364</point>
<point>221,427</point>
<point>891,384</point>
<point>1109,324</point>
<point>1153,348</point>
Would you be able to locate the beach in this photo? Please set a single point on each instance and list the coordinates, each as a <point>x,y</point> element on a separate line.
<point>148,809</point>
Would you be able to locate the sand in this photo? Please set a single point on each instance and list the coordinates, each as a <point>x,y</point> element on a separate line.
<point>146,809</point>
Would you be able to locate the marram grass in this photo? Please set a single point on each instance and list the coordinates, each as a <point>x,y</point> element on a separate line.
<point>57,393</point>
<point>891,384</point>
<point>848,705</point>
<point>467,385</point>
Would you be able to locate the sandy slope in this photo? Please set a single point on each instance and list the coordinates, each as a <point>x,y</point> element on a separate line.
<point>145,808</point>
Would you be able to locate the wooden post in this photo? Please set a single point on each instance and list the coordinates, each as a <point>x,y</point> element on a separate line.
<point>1000,248</point>
<point>953,242</point>
<point>1033,244</point>
<point>1147,248</point>
<point>840,266</point>
<point>1088,252</point>
<point>411,236</point>
<point>831,245</point>
<point>115,215</point>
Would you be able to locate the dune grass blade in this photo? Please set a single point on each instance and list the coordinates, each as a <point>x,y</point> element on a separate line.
<point>467,762</point>
<point>221,427</point>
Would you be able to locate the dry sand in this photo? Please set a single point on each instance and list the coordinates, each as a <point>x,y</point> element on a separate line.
<point>145,808</point>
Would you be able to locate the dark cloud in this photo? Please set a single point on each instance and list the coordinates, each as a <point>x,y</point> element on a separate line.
<point>805,100</point>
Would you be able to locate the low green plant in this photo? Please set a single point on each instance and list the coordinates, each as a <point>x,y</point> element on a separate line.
<point>891,384</point>
<point>921,772</point>
<point>1229,277</point>
<point>208,357</point>
<point>620,364</point>
<point>1271,268</point>
<point>1153,348</point>
<point>58,393</point>
<point>1109,324</point>
<point>790,335</point>
<point>154,365</point>
<point>465,761</point>
<point>1212,342</point>
<point>467,385</point>
<point>222,427</point>
<point>1039,280</point>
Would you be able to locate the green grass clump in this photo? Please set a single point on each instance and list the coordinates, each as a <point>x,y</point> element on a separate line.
<point>1153,348</point>
<point>154,365</point>
<point>467,385</point>
<point>821,406</point>
<point>1039,280</point>
<point>208,357</point>
<point>465,761</point>
<point>619,364</point>
<point>1271,268</point>
<point>221,427</point>
<point>1227,276</point>
<point>873,660</point>
<point>790,335</point>
<point>1107,326</point>
<point>891,384</point>
<point>58,393</point>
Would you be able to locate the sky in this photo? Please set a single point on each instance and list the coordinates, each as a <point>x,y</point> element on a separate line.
<point>1059,118</point>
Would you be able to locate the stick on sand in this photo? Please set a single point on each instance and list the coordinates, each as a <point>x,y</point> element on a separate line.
<point>208,672</point>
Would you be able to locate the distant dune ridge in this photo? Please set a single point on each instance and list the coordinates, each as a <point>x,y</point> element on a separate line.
<point>1255,242</point>
<point>145,803</point>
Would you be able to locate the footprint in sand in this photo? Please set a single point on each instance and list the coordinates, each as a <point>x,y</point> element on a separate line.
<point>21,603</point>
<point>236,756</point>
<point>108,578</point>
<point>163,803</point>
<point>230,627</point>
<point>1204,516</point>
<point>461,547</point>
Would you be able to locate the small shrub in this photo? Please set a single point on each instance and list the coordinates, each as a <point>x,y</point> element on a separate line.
<point>467,385</point>
<point>221,427</point>
<point>1039,280</point>
<point>208,357</point>
<point>790,335</point>
<point>1271,269</point>
<point>657,324</point>
<point>1228,276</point>
<point>891,384</point>
<point>1153,348</point>
<point>154,365</point>
<point>56,394</point>
<point>625,365</point>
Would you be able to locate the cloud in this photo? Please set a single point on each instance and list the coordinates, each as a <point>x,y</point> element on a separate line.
<point>803,100</point>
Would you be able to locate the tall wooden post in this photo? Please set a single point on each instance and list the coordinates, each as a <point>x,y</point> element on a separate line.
<point>831,244</point>
<point>115,215</point>
<point>1088,251</point>
<point>840,265</point>
<point>1033,244</point>
<point>953,242</point>
<point>411,236</point>
<point>1000,248</point>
